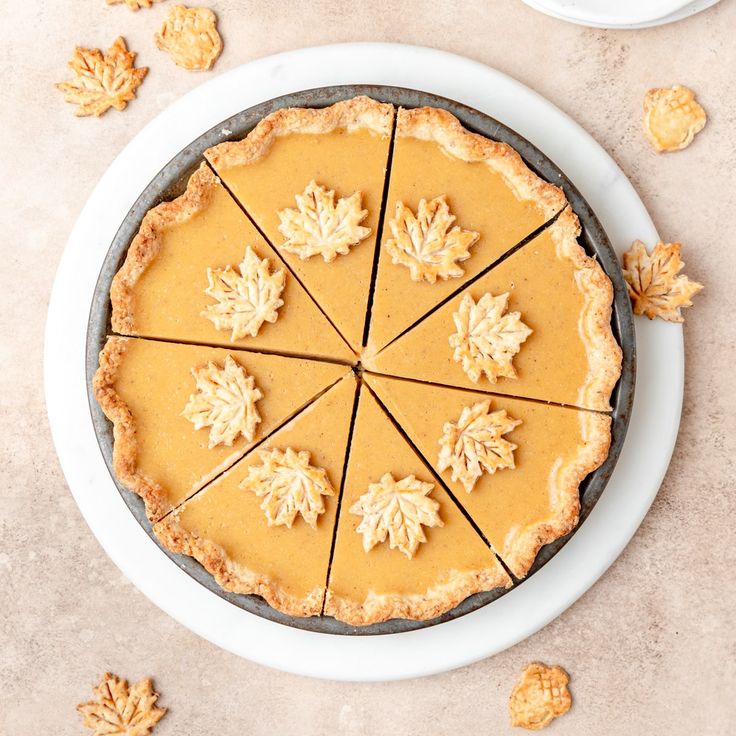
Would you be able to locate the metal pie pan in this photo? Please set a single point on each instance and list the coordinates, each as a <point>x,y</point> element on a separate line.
<point>171,181</point>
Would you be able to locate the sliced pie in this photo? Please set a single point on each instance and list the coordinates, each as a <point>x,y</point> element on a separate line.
<point>266,525</point>
<point>403,548</point>
<point>183,413</point>
<point>456,202</point>
<point>514,465</point>
<point>312,180</point>
<point>199,271</point>
<point>538,326</point>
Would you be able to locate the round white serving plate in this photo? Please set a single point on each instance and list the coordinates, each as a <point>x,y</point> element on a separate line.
<point>518,614</point>
<point>621,16</point>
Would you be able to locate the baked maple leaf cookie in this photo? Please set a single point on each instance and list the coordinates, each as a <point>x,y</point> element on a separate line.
<point>540,696</point>
<point>102,81</point>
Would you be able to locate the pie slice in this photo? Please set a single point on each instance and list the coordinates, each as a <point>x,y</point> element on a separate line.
<point>183,413</point>
<point>226,528</point>
<point>449,560</point>
<point>555,291</point>
<point>312,180</point>
<point>523,494</point>
<point>199,271</point>
<point>480,199</point>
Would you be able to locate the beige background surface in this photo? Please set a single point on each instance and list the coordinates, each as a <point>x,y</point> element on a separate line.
<point>650,648</point>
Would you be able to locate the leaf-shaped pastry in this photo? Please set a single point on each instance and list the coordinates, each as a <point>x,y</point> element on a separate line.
<point>672,118</point>
<point>225,401</point>
<point>487,338</point>
<point>102,81</point>
<point>121,710</point>
<point>289,485</point>
<point>247,299</point>
<point>655,287</point>
<point>398,509</point>
<point>475,444</point>
<point>540,696</point>
<point>189,36</point>
<point>426,244</point>
<point>319,226</point>
<point>133,4</point>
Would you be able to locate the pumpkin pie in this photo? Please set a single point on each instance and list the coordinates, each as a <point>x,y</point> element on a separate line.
<point>403,548</point>
<point>265,526</point>
<point>312,180</point>
<point>456,202</point>
<point>538,325</point>
<point>199,271</point>
<point>515,466</point>
<point>184,413</point>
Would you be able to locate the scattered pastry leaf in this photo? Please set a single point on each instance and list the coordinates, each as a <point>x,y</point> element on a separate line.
<point>475,443</point>
<point>320,227</point>
<point>247,299</point>
<point>102,81</point>
<point>122,710</point>
<point>487,339</point>
<point>540,696</point>
<point>397,509</point>
<point>672,118</point>
<point>189,36</point>
<point>426,244</point>
<point>134,4</point>
<point>655,287</point>
<point>225,401</point>
<point>289,485</point>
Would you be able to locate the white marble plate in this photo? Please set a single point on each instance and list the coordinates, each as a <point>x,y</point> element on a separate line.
<point>521,612</point>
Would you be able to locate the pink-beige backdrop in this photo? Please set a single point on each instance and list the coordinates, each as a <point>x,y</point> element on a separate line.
<point>650,648</point>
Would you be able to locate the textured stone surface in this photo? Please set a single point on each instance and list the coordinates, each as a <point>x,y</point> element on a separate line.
<point>650,648</point>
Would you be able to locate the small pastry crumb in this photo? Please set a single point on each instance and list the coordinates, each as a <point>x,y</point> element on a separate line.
<point>122,710</point>
<point>133,4</point>
<point>656,286</point>
<point>672,118</point>
<point>540,696</point>
<point>189,36</point>
<point>102,81</point>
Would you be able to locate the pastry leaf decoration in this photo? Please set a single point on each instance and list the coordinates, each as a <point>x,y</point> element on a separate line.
<point>656,286</point>
<point>225,402</point>
<point>399,510</point>
<point>487,337</point>
<point>120,710</point>
<point>189,36</point>
<point>426,243</point>
<point>540,696</point>
<point>289,485</point>
<point>672,118</point>
<point>475,444</point>
<point>321,226</point>
<point>245,298</point>
<point>102,81</point>
<point>133,4</point>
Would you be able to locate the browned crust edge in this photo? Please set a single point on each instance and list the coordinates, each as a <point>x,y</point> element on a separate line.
<point>229,574</point>
<point>442,127</point>
<point>125,445</point>
<point>148,242</point>
<point>594,324</point>
<point>358,113</point>
<point>420,607</point>
<point>564,483</point>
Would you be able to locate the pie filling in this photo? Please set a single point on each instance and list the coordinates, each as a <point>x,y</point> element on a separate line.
<point>322,357</point>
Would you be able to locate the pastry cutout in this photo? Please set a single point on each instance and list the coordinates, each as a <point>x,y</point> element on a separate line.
<point>655,287</point>
<point>320,227</point>
<point>133,4</point>
<point>475,445</point>
<point>122,710</point>
<point>289,485</point>
<point>397,509</point>
<point>426,244</point>
<point>225,401</point>
<point>102,81</point>
<point>487,338</point>
<point>672,118</point>
<point>540,696</point>
<point>189,36</point>
<point>247,299</point>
